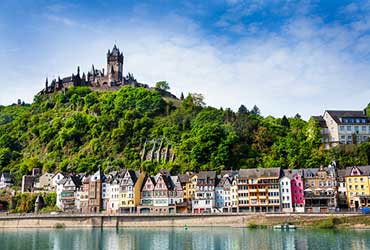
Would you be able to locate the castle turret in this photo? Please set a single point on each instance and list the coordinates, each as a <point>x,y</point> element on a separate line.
<point>115,64</point>
<point>78,70</point>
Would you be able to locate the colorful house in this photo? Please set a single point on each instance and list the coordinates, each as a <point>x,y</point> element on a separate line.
<point>66,192</point>
<point>160,192</point>
<point>82,196</point>
<point>184,179</point>
<point>320,189</point>
<point>234,195</point>
<point>223,194</point>
<point>286,192</point>
<point>127,192</point>
<point>297,187</point>
<point>95,203</point>
<point>146,198</point>
<point>342,190</point>
<point>113,190</point>
<point>358,187</point>
<point>259,189</point>
<point>204,198</point>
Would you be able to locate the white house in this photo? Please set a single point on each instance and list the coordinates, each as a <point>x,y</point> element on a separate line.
<point>6,180</point>
<point>204,197</point>
<point>286,193</point>
<point>56,178</point>
<point>113,190</point>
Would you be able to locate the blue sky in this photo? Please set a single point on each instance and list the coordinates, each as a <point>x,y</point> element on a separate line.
<point>286,57</point>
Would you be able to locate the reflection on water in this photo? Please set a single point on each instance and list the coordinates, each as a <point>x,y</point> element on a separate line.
<point>178,238</point>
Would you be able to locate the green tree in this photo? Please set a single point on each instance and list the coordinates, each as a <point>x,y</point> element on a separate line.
<point>162,85</point>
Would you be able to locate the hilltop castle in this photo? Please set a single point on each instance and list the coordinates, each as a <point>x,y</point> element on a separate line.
<point>95,78</point>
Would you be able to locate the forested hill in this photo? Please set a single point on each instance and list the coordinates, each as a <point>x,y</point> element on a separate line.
<point>81,130</point>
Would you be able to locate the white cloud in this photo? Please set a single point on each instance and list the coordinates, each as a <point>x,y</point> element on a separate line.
<point>304,69</point>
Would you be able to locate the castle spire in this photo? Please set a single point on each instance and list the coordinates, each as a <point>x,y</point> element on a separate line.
<point>46,84</point>
<point>78,70</point>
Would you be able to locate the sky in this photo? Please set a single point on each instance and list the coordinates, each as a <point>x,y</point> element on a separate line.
<point>286,57</point>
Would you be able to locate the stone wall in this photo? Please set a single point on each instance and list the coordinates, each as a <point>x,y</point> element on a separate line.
<point>99,220</point>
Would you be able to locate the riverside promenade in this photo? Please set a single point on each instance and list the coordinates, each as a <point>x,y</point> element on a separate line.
<point>45,220</point>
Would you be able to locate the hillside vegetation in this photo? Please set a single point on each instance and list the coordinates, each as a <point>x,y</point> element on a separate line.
<point>81,130</point>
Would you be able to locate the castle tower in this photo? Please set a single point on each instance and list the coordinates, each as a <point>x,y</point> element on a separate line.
<point>115,65</point>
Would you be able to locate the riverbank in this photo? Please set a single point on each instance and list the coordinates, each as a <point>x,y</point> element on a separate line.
<point>181,220</point>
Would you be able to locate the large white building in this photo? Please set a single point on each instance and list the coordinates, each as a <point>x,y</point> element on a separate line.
<point>343,127</point>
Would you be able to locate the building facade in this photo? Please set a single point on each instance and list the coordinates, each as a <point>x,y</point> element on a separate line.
<point>286,192</point>
<point>344,127</point>
<point>297,187</point>
<point>320,189</point>
<point>204,197</point>
<point>358,187</point>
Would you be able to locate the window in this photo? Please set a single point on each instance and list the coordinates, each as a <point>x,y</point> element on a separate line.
<point>363,128</point>
<point>349,128</point>
<point>341,128</point>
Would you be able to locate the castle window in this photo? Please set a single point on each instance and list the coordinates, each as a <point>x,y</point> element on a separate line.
<point>341,128</point>
<point>349,128</point>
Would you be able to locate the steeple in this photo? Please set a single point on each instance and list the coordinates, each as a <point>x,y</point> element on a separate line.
<point>182,96</point>
<point>78,70</point>
<point>93,72</point>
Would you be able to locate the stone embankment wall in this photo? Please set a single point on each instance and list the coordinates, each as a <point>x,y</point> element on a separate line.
<point>102,220</point>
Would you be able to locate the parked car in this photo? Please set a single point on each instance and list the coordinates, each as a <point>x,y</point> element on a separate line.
<point>365,210</point>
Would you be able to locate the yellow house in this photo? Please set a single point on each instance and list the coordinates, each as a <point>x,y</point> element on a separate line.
<point>358,186</point>
<point>192,186</point>
<point>186,186</point>
<point>234,195</point>
<point>130,188</point>
<point>137,188</point>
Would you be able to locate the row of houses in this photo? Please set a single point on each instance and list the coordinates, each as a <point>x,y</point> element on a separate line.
<point>246,190</point>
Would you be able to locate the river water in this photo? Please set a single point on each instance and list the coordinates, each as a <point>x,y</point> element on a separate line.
<point>180,238</point>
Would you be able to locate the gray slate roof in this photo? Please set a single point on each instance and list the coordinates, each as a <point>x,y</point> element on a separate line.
<point>337,114</point>
<point>365,170</point>
<point>260,172</point>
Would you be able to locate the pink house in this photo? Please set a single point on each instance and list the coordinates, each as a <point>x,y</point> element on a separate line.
<point>297,187</point>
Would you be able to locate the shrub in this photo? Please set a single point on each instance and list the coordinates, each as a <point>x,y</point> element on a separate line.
<point>59,225</point>
<point>252,225</point>
<point>328,223</point>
